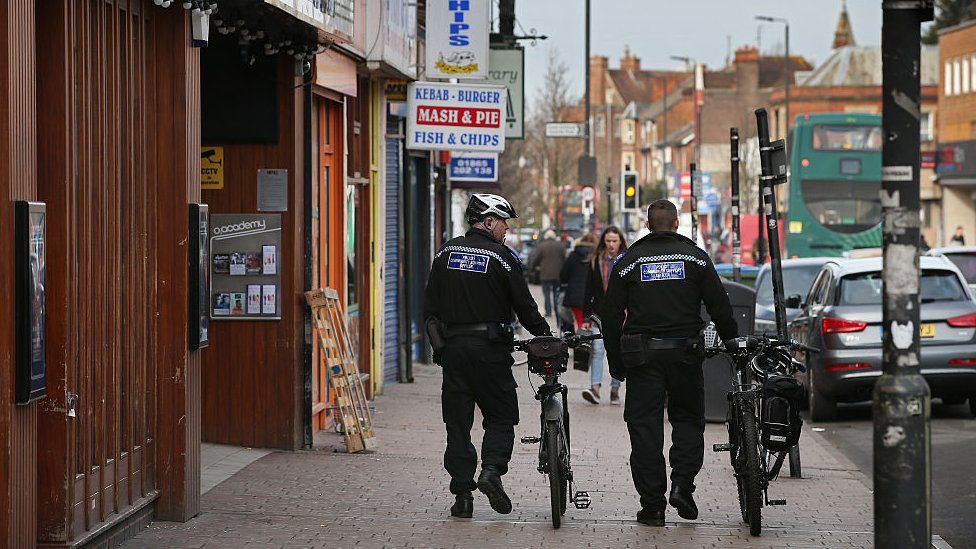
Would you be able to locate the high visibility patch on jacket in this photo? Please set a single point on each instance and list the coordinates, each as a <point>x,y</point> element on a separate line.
<point>475,263</point>
<point>672,270</point>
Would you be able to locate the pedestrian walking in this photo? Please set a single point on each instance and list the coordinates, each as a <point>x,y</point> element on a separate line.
<point>612,244</point>
<point>658,286</point>
<point>958,238</point>
<point>475,285</point>
<point>548,257</point>
<point>573,277</point>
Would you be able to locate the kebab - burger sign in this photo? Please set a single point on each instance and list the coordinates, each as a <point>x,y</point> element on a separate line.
<point>456,117</point>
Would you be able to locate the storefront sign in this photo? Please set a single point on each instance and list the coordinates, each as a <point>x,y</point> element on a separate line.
<point>30,234</point>
<point>457,38</point>
<point>474,167</point>
<point>332,16</point>
<point>457,117</point>
<point>956,162</point>
<point>245,280</point>
<point>211,168</point>
<point>506,67</point>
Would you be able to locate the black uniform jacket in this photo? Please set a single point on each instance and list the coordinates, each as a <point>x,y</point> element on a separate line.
<point>659,286</point>
<point>476,279</point>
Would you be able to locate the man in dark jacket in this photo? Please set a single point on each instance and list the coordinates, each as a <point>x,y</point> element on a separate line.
<point>659,286</point>
<point>548,257</point>
<point>475,286</point>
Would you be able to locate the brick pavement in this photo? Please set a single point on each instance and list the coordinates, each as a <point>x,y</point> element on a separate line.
<point>397,496</point>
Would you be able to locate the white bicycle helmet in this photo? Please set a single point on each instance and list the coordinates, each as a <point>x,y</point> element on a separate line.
<point>482,205</point>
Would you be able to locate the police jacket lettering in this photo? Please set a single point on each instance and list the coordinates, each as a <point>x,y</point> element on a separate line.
<point>476,279</point>
<point>658,286</point>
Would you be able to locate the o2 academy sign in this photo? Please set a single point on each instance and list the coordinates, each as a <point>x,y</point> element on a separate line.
<point>456,117</point>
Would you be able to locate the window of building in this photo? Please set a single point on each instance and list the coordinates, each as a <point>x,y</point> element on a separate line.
<point>616,126</point>
<point>629,130</point>
<point>628,160</point>
<point>601,126</point>
<point>965,75</point>
<point>925,126</point>
<point>947,78</point>
<point>972,72</point>
<point>956,80</point>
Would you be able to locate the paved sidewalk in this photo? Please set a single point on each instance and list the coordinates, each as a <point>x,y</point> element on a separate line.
<point>397,496</point>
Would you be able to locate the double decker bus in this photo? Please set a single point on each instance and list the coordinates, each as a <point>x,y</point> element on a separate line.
<point>835,181</point>
<point>569,215</point>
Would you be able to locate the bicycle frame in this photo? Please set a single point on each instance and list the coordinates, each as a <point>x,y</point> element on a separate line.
<point>553,396</point>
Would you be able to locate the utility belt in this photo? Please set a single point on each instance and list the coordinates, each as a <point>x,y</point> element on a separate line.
<point>637,349</point>
<point>492,332</point>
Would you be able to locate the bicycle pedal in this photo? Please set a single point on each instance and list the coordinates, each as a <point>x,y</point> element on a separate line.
<point>776,502</point>
<point>722,447</point>
<point>582,500</point>
<point>530,440</point>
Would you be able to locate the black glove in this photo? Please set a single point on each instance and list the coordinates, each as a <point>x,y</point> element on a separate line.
<point>619,375</point>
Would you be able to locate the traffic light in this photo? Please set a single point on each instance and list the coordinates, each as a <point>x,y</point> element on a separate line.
<point>630,191</point>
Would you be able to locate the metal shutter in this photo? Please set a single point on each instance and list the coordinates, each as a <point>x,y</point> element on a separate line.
<point>391,289</point>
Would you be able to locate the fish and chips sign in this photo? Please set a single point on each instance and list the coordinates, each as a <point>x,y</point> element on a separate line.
<point>457,39</point>
<point>456,117</point>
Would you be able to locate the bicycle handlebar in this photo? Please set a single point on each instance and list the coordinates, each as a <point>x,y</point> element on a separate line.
<point>571,340</point>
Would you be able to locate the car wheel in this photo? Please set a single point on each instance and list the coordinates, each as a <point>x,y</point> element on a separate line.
<point>821,407</point>
<point>972,405</point>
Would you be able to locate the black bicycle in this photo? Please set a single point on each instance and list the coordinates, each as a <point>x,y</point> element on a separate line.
<point>548,357</point>
<point>763,418</point>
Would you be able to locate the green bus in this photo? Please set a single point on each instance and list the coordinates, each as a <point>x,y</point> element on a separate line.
<point>835,181</point>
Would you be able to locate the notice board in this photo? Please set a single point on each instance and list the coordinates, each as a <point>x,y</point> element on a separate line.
<point>245,278</point>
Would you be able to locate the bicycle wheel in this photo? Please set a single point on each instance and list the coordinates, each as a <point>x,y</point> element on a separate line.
<point>557,484</point>
<point>737,457</point>
<point>753,473</point>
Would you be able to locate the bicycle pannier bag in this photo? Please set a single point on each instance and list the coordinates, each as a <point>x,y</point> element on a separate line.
<point>548,355</point>
<point>781,421</point>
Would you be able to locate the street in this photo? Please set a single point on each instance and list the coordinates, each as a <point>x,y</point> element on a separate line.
<point>953,439</point>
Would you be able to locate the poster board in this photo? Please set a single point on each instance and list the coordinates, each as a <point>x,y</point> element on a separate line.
<point>198,335</point>
<point>30,234</point>
<point>245,278</point>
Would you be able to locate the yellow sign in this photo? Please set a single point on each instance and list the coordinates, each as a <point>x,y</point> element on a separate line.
<point>927,330</point>
<point>796,227</point>
<point>211,168</point>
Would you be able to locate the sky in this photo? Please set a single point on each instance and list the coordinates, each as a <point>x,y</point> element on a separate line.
<point>658,29</point>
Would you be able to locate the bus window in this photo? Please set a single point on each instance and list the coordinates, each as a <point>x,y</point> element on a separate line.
<point>846,138</point>
<point>843,206</point>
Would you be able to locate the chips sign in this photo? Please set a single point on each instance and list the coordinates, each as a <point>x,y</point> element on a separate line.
<point>457,38</point>
<point>456,117</point>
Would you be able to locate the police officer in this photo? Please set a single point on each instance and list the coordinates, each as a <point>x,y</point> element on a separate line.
<point>659,286</point>
<point>475,284</point>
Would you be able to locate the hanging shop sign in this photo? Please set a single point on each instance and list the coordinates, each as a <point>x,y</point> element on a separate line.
<point>457,117</point>
<point>457,38</point>
<point>334,17</point>
<point>245,281</point>
<point>211,168</point>
<point>30,234</point>
<point>506,67</point>
<point>468,166</point>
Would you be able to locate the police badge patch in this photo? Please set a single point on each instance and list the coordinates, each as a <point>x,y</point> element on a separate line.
<point>671,270</point>
<point>475,263</point>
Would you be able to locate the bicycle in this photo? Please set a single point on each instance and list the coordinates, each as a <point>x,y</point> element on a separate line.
<point>548,357</point>
<point>758,444</point>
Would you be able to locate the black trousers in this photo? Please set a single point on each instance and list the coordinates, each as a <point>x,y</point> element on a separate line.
<point>674,377</point>
<point>476,372</point>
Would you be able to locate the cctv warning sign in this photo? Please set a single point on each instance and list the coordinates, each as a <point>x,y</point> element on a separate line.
<point>211,168</point>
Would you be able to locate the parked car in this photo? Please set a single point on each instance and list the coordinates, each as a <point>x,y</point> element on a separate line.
<point>798,275</point>
<point>842,317</point>
<point>964,257</point>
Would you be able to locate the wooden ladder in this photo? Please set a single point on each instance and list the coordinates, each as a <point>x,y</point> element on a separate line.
<point>336,346</point>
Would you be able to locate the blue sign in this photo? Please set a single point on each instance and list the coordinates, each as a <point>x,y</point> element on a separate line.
<point>474,167</point>
<point>475,263</point>
<point>671,270</point>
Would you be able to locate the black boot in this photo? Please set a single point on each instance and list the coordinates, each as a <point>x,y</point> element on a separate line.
<point>684,502</point>
<point>650,517</point>
<point>490,484</point>
<point>463,505</point>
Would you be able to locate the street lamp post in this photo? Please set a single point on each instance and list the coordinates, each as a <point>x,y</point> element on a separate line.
<point>699,98</point>
<point>786,68</point>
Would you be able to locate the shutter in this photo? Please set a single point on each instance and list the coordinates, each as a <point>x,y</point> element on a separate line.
<point>391,289</point>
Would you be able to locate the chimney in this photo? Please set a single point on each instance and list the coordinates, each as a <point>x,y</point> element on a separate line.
<point>599,66</point>
<point>629,62</point>
<point>844,35</point>
<point>747,69</point>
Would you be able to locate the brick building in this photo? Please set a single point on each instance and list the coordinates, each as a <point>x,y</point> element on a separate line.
<point>956,170</point>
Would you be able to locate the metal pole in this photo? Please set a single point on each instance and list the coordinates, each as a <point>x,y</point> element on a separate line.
<point>506,20</point>
<point>787,76</point>
<point>609,202</point>
<point>736,244</point>
<point>766,185</point>
<point>586,116</point>
<point>902,401</point>
<point>664,139</point>
<point>760,249</point>
<point>694,205</point>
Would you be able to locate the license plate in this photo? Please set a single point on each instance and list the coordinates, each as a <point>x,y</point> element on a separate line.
<point>927,330</point>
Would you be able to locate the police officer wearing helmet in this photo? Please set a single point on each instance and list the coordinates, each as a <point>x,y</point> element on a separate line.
<point>475,284</point>
<point>659,286</point>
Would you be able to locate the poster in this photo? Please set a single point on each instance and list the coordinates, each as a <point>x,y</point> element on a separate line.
<point>211,168</point>
<point>237,304</point>
<point>237,267</point>
<point>269,299</point>
<point>457,39</point>
<point>253,299</point>
<point>31,306</point>
<point>222,304</point>
<point>270,255</point>
<point>272,190</point>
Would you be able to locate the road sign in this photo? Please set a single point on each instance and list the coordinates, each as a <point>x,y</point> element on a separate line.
<point>564,129</point>
<point>469,166</point>
<point>589,193</point>
<point>456,117</point>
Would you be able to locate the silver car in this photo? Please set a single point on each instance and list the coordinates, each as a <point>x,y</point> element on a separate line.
<point>842,317</point>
